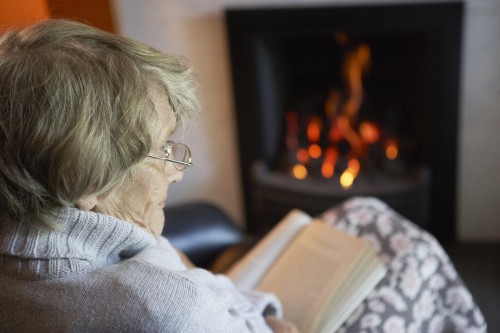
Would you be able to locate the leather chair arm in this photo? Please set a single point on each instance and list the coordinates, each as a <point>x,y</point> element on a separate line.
<point>201,231</point>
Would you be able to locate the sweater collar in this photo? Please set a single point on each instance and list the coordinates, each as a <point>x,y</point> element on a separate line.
<point>85,241</point>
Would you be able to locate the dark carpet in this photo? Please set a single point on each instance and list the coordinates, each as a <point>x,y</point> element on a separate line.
<point>479,267</point>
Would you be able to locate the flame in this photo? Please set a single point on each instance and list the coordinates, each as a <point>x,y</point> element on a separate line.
<point>391,149</point>
<point>354,166</point>
<point>334,134</point>
<point>346,180</point>
<point>315,151</point>
<point>314,129</point>
<point>313,134</point>
<point>332,103</point>
<point>302,155</point>
<point>349,175</point>
<point>350,135</point>
<point>353,68</point>
<point>369,132</point>
<point>328,169</point>
<point>299,171</point>
<point>328,166</point>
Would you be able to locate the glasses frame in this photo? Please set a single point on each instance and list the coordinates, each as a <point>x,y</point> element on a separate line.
<point>167,148</point>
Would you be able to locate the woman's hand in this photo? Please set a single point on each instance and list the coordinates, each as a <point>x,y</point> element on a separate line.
<point>280,326</point>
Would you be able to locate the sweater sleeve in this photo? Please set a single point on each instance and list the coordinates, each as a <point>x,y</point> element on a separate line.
<point>264,303</point>
<point>220,306</point>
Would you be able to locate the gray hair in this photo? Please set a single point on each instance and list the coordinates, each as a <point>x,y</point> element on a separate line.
<point>76,112</point>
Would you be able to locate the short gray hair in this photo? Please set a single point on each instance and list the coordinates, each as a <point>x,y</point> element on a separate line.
<point>76,112</point>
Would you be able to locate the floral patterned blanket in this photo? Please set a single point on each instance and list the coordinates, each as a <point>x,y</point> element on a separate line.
<point>421,291</point>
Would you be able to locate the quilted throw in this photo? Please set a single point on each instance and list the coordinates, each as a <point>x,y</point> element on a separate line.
<point>421,291</point>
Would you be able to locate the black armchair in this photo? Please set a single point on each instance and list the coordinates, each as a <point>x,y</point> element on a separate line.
<point>205,234</point>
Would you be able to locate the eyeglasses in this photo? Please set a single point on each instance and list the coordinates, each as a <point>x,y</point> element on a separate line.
<point>177,153</point>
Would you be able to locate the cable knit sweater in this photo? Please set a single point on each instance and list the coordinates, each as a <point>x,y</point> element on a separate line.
<point>101,274</point>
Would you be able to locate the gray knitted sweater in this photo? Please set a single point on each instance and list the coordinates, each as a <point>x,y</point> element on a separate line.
<point>101,274</point>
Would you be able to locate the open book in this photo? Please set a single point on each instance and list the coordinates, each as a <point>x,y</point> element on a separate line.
<point>319,273</point>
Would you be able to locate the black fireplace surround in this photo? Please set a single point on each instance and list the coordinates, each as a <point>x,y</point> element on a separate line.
<point>279,53</point>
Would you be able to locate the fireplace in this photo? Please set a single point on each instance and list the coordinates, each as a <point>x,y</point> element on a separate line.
<point>338,101</point>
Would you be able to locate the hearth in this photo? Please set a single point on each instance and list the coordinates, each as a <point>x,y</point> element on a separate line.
<point>338,101</point>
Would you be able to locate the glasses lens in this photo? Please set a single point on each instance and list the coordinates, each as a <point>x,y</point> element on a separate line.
<point>180,152</point>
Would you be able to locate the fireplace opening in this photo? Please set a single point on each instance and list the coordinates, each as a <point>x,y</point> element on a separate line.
<point>353,105</point>
<point>333,102</point>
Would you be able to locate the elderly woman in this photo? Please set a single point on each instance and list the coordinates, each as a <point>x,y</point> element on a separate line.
<point>85,124</point>
<point>85,121</point>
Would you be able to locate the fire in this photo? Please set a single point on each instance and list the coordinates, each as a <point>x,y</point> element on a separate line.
<point>355,65</point>
<point>369,132</point>
<point>302,155</point>
<point>334,134</point>
<point>346,180</point>
<point>391,149</point>
<point>314,151</point>
<point>328,169</point>
<point>323,141</point>
<point>332,103</point>
<point>314,129</point>
<point>328,166</point>
<point>348,176</point>
<point>299,171</point>
<point>350,135</point>
<point>354,166</point>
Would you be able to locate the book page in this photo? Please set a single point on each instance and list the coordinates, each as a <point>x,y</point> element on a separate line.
<point>248,271</point>
<point>358,285</point>
<point>311,270</point>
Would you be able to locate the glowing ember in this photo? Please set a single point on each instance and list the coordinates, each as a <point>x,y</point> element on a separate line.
<point>314,129</point>
<point>347,179</point>
<point>328,166</point>
<point>348,176</point>
<point>369,132</point>
<point>334,134</point>
<point>354,166</point>
<point>314,151</point>
<point>327,169</point>
<point>299,171</point>
<point>391,149</point>
<point>302,156</point>
<point>331,154</point>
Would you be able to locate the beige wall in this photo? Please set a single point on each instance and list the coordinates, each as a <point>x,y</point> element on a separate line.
<point>195,29</point>
<point>479,161</point>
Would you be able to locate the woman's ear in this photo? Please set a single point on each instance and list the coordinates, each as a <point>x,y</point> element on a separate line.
<point>87,202</point>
